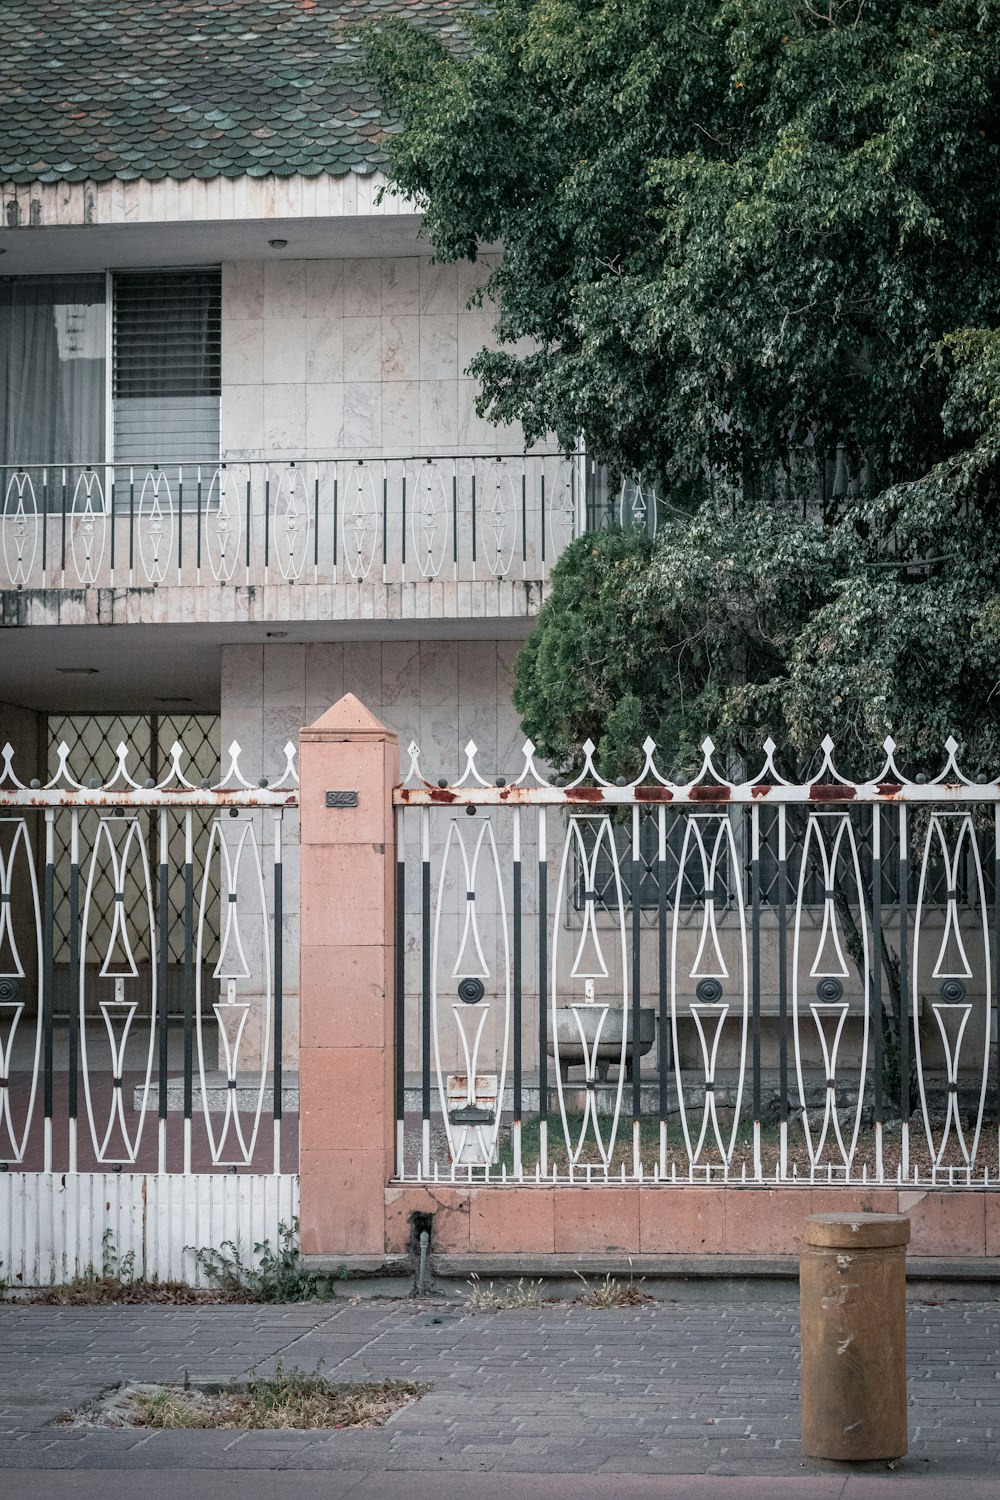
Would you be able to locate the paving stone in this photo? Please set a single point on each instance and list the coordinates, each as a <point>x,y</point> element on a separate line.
<point>706,1388</point>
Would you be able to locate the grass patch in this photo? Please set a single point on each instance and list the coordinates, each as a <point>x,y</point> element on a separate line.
<point>481,1298</point>
<point>613,1293</point>
<point>114,1282</point>
<point>91,1289</point>
<point>676,1155</point>
<point>649,1143</point>
<point>289,1399</point>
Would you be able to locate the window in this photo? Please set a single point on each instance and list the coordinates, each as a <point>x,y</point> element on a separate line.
<point>164,376</point>
<point>52,369</point>
<point>167,360</point>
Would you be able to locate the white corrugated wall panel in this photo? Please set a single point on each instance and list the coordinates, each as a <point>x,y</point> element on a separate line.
<point>53,1225</point>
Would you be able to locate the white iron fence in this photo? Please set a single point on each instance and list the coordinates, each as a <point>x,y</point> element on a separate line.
<point>159,1049</point>
<point>310,520</point>
<point>713,981</point>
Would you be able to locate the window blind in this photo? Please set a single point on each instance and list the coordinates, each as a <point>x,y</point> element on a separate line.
<point>167,365</point>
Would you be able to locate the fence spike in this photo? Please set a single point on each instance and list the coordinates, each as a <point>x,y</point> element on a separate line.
<point>413,773</point>
<point>7,770</point>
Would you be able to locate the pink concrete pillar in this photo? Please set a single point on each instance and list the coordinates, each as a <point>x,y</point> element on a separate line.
<point>346,979</point>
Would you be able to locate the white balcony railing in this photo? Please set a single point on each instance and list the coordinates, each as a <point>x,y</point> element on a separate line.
<point>325,521</point>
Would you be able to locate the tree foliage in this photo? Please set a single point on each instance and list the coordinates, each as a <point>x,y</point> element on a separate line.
<point>750,249</point>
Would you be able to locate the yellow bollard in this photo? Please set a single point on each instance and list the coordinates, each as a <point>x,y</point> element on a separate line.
<point>852,1297</point>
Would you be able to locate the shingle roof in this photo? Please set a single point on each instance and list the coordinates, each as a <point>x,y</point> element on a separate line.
<point>95,89</point>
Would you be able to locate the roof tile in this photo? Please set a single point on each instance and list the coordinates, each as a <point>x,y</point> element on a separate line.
<point>146,88</point>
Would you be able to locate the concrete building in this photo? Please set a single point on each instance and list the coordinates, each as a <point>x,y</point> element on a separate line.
<point>243,471</point>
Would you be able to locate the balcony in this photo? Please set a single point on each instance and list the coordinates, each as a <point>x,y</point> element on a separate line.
<point>373,537</point>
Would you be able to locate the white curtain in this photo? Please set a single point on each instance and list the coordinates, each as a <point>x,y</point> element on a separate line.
<point>52,370</point>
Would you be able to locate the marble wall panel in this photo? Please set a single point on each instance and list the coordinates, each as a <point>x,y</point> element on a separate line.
<point>400,284</point>
<point>475,433</point>
<point>439,347</point>
<point>285,350</point>
<point>395,333</point>
<point>401,414</point>
<point>474,332</point>
<point>325,289</point>
<point>363,674</point>
<point>284,420</point>
<point>242,419</point>
<point>324,681</point>
<point>436,732</point>
<point>363,415</point>
<point>439,414</point>
<point>243,289</point>
<point>402,346</point>
<point>284,679</point>
<point>284,289</point>
<point>243,351</point>
<point>477,701</point>
<point>324,349</point>
<point>438,289</point>
<point>362,348</point>
<point>324,418</point>
<point>401,683</point>
<point>363,287</point>
<point>242,701</point>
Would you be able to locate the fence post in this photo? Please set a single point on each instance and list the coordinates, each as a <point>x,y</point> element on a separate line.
<point>348,765</point>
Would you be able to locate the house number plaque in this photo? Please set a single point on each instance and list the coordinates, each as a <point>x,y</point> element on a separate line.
<point>341,799</point>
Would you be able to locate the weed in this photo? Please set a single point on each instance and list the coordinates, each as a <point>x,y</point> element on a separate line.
<point>115,1281</point>
<point>278,1275</point>
<point>115,1267</point>
<point>91,1290</point>
<point>484,1299</point>
<point>287,1399</point>
<point>612,1293</point>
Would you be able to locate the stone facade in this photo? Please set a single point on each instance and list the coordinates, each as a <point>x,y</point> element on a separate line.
<point>352,357</point>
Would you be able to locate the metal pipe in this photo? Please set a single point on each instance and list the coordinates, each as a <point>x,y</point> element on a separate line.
<point>425,1241</point>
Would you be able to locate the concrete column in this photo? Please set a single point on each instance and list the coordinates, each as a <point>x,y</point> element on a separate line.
<point>852,1287</point>
<point>346,980</point>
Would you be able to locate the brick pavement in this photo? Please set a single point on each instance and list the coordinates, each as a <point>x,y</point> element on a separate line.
<point>708,1387</point>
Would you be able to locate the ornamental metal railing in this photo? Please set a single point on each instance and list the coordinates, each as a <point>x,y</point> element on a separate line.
<point>122,1081</point>
<point>327,521</point>
<point>797,984</point>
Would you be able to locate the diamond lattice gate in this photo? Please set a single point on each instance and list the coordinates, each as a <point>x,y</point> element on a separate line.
<point>141,1006</point>
<point>718,980</point>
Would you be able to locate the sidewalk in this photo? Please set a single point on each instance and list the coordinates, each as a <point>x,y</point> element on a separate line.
<point>519,1400</point>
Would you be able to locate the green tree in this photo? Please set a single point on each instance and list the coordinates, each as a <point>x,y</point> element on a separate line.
<point>733,230</point>
<point>750,251</point>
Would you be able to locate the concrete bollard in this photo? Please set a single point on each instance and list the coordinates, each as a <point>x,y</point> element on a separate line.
<point>852,1293</point>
